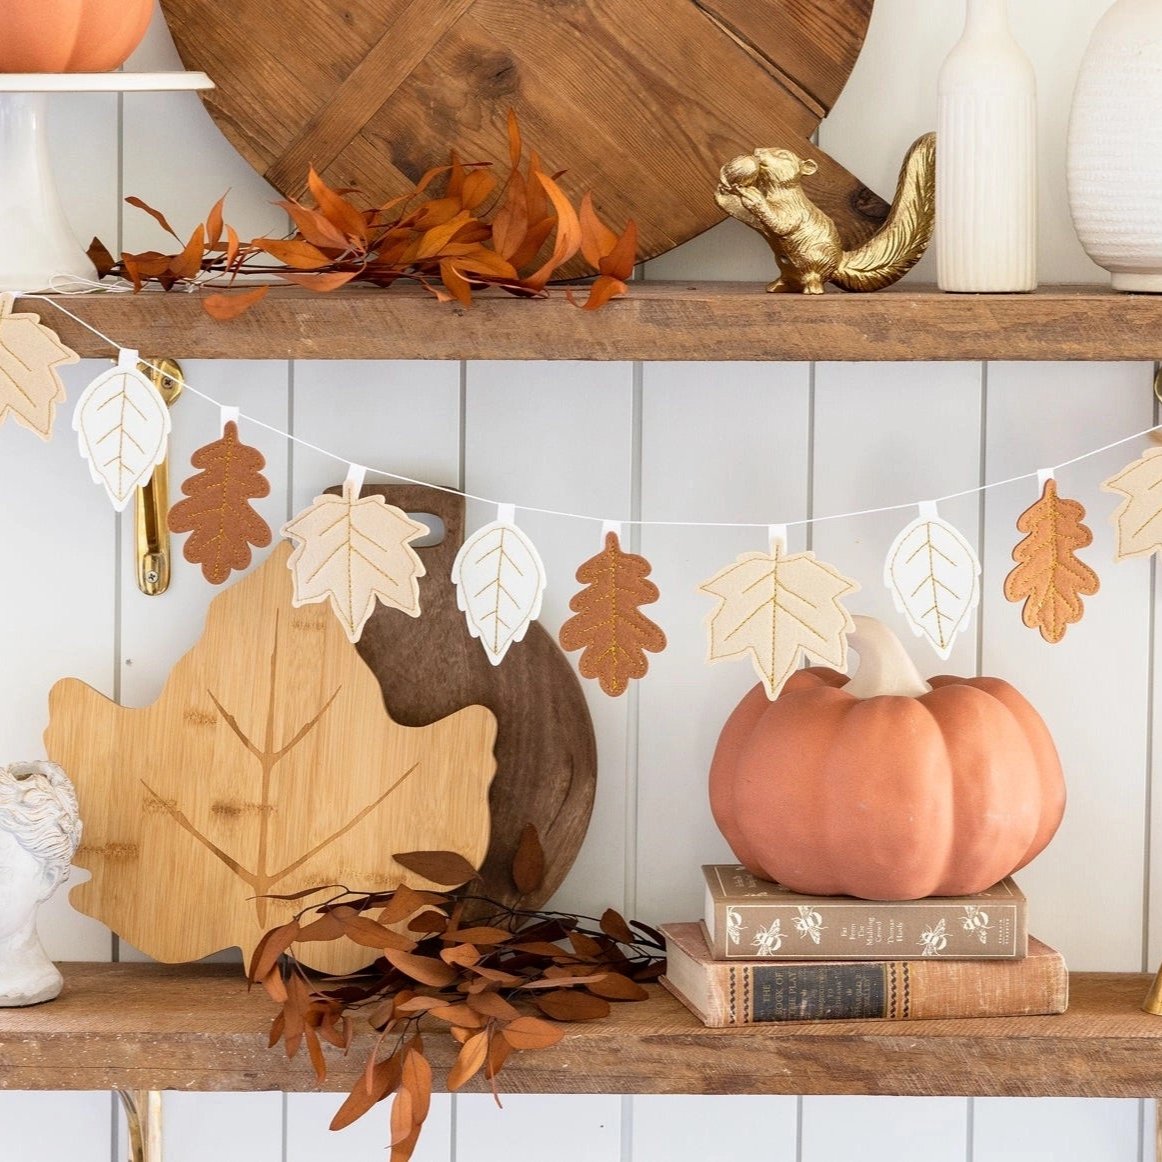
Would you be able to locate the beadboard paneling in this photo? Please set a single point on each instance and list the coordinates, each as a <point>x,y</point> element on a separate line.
<point>569,1128</point>
<point>887,1129</point>
<point>309,1140</point>
<point>560,436</point>
<point>45,1126</point>
<point>1051,1129</point>
<point>720,442</point>
<point>713,1127</point>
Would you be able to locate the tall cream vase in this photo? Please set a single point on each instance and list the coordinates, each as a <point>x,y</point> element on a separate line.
<point>986,159</point>
<point>1114,158</point>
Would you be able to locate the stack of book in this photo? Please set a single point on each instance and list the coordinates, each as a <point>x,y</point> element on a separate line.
<point>763,953</point>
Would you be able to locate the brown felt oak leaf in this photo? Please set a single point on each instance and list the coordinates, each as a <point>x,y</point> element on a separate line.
<point>30,353</point>
<point>607,623</point>
<point>217,510</point>
<point>268,765</point>
<point>1049,577</point>
<point>780,608</point>
<point>352,552</point>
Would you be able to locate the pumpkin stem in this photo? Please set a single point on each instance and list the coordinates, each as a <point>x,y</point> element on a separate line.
<point>884,665</point>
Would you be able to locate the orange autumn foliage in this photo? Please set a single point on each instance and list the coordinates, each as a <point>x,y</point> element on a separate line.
<point>476,231</point>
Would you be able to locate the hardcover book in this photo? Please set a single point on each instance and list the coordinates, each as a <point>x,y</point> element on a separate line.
<point>748,992</point>
<point>749,919</point>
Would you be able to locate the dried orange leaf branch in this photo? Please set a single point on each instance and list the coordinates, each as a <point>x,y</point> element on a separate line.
<point>495,979</point>
<point>459,230</point>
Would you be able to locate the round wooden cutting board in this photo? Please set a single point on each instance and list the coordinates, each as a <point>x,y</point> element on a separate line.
<point>640,101</point>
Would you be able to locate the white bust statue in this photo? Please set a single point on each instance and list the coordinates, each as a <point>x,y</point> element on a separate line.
<point>39,832</point>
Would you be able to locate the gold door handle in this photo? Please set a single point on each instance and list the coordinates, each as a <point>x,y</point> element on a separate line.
<point>143,1116</point>
<point>151,505</point>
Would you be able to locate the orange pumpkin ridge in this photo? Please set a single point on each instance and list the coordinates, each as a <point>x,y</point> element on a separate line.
<point>70,36</point>
<point>887,796</point>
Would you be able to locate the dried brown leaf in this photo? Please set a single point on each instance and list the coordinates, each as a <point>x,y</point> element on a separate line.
<point>616,987</point>
<point>569,1005</point>
<point>492,1004</point>
<point>528,864</point>
<point>406,902</point>
<point>229,306</point>
<point>417,1079</point>
<point>613,925</point>
<point>272,945</point>
<point>531,1033</point>
<point>425,969</point>
<point>384,1077</point>
<point>471,1058</point>
<point>446,868</point>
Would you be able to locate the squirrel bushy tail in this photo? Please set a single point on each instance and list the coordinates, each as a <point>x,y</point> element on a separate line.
<point>897,246</point>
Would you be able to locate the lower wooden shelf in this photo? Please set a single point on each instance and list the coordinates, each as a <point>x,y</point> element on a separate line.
<point>152,1027</point>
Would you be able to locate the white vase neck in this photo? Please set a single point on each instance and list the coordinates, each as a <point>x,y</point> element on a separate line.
<point>987,18</point>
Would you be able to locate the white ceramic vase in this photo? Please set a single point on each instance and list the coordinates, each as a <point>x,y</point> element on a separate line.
<point>986,159</point>
<point>1114,157</point>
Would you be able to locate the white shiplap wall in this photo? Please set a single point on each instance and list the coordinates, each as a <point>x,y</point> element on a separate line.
<point>746,442</point>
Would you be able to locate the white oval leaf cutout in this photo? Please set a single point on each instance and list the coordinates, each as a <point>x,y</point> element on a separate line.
<point>934,576</point>
<point>500,582</point>
<point>123,426</point>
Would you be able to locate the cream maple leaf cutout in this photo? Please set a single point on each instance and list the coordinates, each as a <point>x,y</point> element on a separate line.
<point>354,551</point>
<point>780,608</point>
<point>1138,519</point>
<point>122,427</point>
<point>934,577</point>
<point>500,584</point>
<point>30,353</point>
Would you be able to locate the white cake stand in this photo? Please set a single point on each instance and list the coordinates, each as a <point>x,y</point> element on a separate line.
<point>37,247</point>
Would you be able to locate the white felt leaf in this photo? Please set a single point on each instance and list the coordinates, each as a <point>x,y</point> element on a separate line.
<point>500,581</point>
<point>1138,519</point>
<point>780,609</point>
<point>934,577</point>
<point>122,425</point>
<point>352,552</point>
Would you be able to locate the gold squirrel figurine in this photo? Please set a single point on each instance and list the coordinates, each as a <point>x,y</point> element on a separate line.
<point>764,189</point>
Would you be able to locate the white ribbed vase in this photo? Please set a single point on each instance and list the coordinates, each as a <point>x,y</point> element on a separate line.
<point>1114,157</point>
<point>986,159</point>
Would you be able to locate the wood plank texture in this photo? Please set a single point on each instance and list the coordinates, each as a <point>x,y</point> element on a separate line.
<point>198,1028</point>
<point>644,101</point>
<point>657,321</point>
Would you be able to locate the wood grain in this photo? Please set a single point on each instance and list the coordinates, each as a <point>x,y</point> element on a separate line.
<point>546,753</point>
<point>706,321</point>
<point>641,103</point>
<point>198,1028</point>
<point>267,766</point>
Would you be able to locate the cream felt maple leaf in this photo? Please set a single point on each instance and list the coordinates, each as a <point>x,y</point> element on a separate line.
<point>780,608</point>
<point>30,353</point>
<point>352,552</point>
<point>934,577</point>
<point>122,427</point>
<point>1138,519</point>
<point>500,583</point>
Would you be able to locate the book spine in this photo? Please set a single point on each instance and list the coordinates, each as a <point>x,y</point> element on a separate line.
<point>900,990</point>
<point>868,930</point>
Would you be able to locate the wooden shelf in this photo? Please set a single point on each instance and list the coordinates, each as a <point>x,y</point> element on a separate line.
<point>134,1026</point>
<point>658,321</point>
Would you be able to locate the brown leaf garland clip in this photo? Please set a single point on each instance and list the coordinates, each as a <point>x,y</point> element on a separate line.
<point>488,983</point>
<point>217,510</point>
<point>1050,578</point>
<point>607,623</point>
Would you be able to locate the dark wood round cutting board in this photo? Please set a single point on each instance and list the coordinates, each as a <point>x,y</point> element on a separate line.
<point>430,666</point>
<point>640,101</point>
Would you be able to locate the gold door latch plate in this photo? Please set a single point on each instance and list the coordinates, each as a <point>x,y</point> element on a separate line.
<point>151,505</point>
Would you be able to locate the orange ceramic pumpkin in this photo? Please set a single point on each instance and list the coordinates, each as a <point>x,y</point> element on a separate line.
<point>70,36</point>
<point>886,787</point>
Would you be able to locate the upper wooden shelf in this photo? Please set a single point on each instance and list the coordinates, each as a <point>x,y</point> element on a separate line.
<point>657,321</point>
<point>134,1026</point>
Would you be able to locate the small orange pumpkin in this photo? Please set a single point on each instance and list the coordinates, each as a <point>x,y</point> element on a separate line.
<point>70,36</point>
<point>886,787</point>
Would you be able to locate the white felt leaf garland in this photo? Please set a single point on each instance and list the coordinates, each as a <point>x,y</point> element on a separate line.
<point>123,426</point>
<point>1138,519</point>
<point>934,577</point>
<point>30,387</point>
<point>351,552</point>
<point>780,608</point>
<point>500,583</point>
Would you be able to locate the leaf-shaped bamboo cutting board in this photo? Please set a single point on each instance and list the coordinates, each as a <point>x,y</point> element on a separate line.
<point>546,755</point>
<point>639,102</point>
<point>268,765</point>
